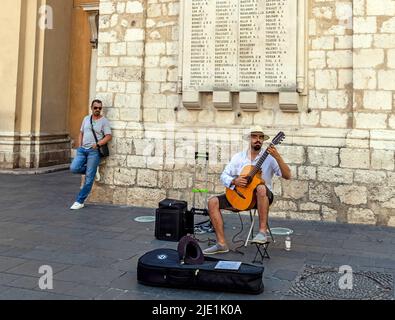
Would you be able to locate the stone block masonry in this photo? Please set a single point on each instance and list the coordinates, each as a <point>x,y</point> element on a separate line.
<point>340,145</point>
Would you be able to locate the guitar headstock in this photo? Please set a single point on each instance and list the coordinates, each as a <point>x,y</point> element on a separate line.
<point>278,139</point>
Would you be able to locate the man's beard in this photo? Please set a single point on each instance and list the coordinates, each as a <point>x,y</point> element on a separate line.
<point>257,147</point>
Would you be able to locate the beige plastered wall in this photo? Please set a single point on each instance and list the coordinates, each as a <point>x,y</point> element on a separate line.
<point>34,78</point>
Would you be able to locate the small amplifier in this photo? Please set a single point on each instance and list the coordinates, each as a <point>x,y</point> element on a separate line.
<point>173,220</point>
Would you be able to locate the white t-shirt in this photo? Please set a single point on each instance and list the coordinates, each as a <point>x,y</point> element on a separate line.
<point>102,128</point>
<point>269,168</point>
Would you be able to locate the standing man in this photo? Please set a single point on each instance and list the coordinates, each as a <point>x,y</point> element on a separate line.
<point>87,159</point>
<point>273,165</point>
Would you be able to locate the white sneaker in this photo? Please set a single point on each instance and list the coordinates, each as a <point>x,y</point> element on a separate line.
<point>77,206</point>
<point>97,177</point>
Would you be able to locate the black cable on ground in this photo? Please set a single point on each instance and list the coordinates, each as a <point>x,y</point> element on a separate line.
<point>234,237</point>
<point>205,241</point>
<point>201,223</point>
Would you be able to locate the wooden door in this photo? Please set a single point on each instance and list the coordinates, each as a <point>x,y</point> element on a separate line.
<point>80,65</point>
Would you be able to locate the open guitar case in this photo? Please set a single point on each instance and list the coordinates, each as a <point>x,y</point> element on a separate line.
<point>189,269</point>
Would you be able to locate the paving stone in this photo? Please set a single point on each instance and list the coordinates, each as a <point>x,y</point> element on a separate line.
<point>110,244</point>
<point>3,289</point>
<point>38,255</point>
<point>71,258</point>
<point>124,282</point>
<point>25,282</point>
<point>6,278</point>
<point>134,286</point>
<point>361,261</point>
<point>373,269</point>
<point>99,262</point>
<point>31,268</point>
<point>126,236</point>
<point>88,275</point>
<point>318,256</point>
<point>4,249</point>
<point>15,252</point>
<point>336,259</point>
<point>384,263</point>
<point>284,274</point>
<point>22,294</point>
<point>77,290</point>
<point>275,285</point>
<point>115,253</point>
<point>293,254</point>
<point>126,265</point>
<point>110,294</point>
<point>139,296</point>
<point>87,291</point>
<point>7,263</point>
<point>94,252</point>
<point>55,296</point>
<point>92,235</point>
<point>61,287</point>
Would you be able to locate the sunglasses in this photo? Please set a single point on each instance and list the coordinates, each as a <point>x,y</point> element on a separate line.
<point>98,108</point>
<point>260,137</point>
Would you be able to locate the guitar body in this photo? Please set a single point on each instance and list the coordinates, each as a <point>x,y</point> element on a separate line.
<point>244,198</point>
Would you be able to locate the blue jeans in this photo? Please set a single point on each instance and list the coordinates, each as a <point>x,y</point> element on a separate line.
<point>86,162</point>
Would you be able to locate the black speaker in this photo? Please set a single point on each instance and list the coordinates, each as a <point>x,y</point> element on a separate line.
<point>173,220</point>
<point>169,224</point>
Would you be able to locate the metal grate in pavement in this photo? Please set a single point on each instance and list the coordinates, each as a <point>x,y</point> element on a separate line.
<point>324,283</point>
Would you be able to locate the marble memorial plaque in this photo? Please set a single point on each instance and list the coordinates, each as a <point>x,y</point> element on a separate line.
<point>240,45</point>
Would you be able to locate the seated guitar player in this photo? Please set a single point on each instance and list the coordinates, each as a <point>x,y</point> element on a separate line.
<point>248,179</point>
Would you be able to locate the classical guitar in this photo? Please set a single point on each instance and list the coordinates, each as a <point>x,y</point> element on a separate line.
<point>243,198</point>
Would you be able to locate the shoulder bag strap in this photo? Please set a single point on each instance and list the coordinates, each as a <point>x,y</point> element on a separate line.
<point>93,130</point>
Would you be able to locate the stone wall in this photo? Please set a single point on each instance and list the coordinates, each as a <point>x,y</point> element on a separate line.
<point>340,145</point>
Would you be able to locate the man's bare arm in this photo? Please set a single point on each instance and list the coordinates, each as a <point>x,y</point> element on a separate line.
<point>80,139</point>
<point>105,140</point>
<point>285,170</point>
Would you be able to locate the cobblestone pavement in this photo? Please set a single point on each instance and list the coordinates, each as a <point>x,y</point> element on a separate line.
<point>94,252</point>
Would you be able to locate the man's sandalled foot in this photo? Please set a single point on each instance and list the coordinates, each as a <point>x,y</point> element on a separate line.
<point>217,248</point>
<point>261,238</point>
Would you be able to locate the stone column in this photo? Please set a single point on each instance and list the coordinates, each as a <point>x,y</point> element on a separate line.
<point>34,83</point>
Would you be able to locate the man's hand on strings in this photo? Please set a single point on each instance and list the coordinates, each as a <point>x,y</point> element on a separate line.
<point>240,182</point>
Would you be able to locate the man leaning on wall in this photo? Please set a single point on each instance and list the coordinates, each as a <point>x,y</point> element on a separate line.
<point>88,156</point>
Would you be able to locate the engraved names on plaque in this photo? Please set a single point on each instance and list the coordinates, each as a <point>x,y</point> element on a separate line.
<point>240,45</point>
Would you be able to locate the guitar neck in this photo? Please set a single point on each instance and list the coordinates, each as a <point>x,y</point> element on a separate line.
<point>258,165</point>
<point>277,140</point>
